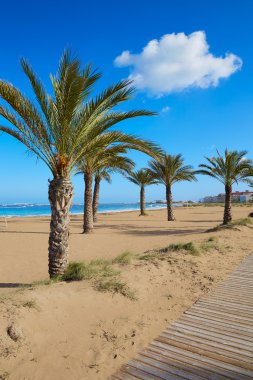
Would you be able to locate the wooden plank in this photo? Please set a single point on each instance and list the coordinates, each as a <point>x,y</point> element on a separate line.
<point>187,365</point>
<point>210,334</point>
<point>209,351</point>
<point>200,357</point>
<point>213,340</point>
<point>154,371</point>
<point>217,321</point>
<point>233,305</point>
<point>225,316</point>
<point>238,300</point>
<point>208,342</point>
<point>211,366</point>
<point>215,328</point>
<point>137,373</point>
<point>226,309</point>
<point>168,368</point>
<point>123,376</point>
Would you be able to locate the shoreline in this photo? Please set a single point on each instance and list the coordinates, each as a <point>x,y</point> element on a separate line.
<point>81,213</point>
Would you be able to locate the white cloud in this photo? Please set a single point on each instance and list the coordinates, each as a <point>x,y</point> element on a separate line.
<point>165,109</point>
<point>177,62</point>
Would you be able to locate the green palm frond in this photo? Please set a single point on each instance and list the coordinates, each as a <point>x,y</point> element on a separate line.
<point>106,161</point>
<point>142,177</point>
<point>64,127</point>
<point>170,169</point>
<point>232,168</point>
<point>104,175</point>
<point>250,181</point>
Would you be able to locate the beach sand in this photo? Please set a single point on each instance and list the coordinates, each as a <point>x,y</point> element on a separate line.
<point>71,330</point>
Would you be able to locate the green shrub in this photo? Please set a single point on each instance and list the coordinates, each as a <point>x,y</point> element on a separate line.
<point>78,271</point>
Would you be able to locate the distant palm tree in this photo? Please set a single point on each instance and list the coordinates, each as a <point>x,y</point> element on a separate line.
<point>62,128</point>
<point>250,182</point>
<point>113,164</point>
<point>230,169</point>
<point>99,176</point>
<point>89,166</point>
<point>168,170</point>
<point>142,178</point>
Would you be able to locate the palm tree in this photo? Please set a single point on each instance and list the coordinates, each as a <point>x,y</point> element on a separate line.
<point>142,178</point>
<point>88,166</point>
<point>113,164</point>
<point>102,174</point>
<point>230,169</point>
<point>168,170</point>
<point>62,128</point>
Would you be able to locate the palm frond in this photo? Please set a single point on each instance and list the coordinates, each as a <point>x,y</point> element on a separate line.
<point>170,169</point>
<point>70,125</point>
<point>142,177</point>
<point>231,168</point>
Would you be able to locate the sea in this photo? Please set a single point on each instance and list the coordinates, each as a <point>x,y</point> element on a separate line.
<point>34,209</point>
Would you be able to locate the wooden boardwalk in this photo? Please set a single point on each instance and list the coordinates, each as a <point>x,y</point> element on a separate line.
<point>213,339</point>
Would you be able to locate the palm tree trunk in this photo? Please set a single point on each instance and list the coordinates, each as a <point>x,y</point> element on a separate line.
<point>142,201</point>
<point>87,216</point>
<point>60,196</point>
<point>96,198</point>
<point>227,209</point>
<point>170,213</point>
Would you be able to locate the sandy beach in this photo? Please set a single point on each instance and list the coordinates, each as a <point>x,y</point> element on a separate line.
<point>73,331</point>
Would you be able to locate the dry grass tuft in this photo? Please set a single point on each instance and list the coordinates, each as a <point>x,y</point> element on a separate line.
<point>124,258</point>
<point>115,285</point>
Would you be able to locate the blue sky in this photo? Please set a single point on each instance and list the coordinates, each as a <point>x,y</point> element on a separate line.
<point>197,120</point>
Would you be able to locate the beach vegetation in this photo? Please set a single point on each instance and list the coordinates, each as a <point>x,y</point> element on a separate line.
<point>229,169</point>
<point>30,304</point>
<point>61,128</point>
<point>142,178</point>
<point>209,244</point>
<point>168,170</point>
<point>124,258</point>
<point>242,222</point>
<point>189,247</point>
<point>115,285</point>
<point>78,271</point>
<point>98,167</point>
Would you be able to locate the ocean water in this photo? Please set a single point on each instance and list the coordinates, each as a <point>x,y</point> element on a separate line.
<point>30,209</point>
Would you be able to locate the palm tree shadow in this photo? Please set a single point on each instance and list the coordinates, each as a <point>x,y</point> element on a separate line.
<point>24,232</point>
<point>146,231</point>
<point>174,232</point>
<point>12,285</point>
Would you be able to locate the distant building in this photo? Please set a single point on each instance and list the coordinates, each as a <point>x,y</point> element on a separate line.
<point>237,196</point>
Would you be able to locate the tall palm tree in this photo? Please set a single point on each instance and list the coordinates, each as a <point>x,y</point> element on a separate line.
<point>230,169</point>
<point>88,166</point>
<point>142,178</point>
<point>102,174</point>
<point>62,128</point>
<point>168,170</point>
<point>113,164</point>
